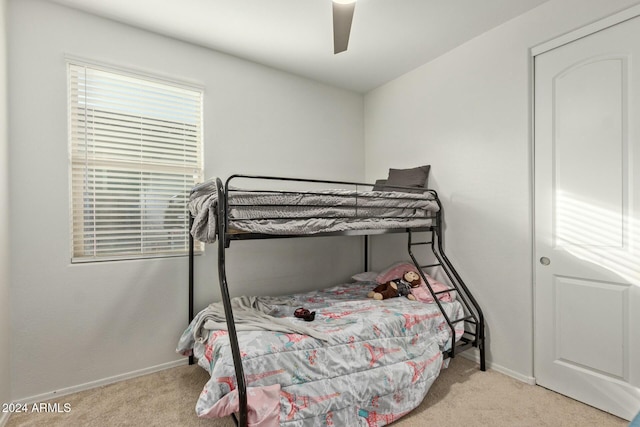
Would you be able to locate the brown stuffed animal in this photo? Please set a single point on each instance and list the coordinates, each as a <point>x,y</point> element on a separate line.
<point>397,287</point>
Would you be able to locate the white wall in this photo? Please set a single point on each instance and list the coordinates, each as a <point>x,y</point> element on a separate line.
<point>5,321</point>
<point>75,324</point>
<point>467,113</point>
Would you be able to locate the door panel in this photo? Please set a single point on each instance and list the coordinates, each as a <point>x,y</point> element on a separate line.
<point>587,309</point>
<point>587,210</point>
<point>589,108</point>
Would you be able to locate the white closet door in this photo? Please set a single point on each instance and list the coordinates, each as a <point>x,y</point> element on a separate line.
<point>587,219</point>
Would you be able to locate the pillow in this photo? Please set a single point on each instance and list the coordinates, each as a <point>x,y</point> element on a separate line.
<point>395,271</point>
<point>421,293</point>
<point>379,186</point>
<point>414,177</point>
<point>367,276</point>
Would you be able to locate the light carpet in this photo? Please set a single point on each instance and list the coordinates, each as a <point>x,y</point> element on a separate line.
<point>461,396</point>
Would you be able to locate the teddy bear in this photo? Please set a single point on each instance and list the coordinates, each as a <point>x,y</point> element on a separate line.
<point>397,287</point>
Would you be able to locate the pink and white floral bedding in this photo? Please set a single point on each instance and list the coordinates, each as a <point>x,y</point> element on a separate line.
<point>379,363</point>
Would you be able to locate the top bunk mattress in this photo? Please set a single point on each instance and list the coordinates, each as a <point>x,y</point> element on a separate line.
<point>308,212</point>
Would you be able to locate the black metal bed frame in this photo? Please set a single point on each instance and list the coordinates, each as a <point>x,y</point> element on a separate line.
<point>474,328</point>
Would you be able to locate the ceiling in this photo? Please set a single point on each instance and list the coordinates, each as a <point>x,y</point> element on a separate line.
<point>388,37</point>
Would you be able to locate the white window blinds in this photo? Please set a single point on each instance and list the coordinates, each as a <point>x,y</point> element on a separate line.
<point>136,151</point>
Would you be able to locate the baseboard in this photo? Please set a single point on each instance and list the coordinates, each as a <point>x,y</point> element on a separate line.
<point>99,383</point>
<point>475,356</point>
<point>4,418</point>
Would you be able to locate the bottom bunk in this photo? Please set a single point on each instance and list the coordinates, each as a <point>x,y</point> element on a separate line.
<point>359,362</point>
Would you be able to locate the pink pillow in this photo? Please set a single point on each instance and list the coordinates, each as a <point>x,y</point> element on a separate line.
<point>395,271</point>
<point>421,292</point>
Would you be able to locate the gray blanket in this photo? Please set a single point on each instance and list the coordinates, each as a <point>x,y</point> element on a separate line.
<point>251,314</point>
<point>202,205</point>
<point>309,212</point>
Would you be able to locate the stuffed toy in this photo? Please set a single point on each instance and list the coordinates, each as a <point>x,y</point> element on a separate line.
<point>397,287</point>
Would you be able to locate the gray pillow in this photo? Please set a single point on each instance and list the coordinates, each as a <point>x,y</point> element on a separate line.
<point>414,177</point>
<point>379,186</point>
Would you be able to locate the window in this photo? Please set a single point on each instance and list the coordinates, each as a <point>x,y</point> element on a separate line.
<point>135,151</point>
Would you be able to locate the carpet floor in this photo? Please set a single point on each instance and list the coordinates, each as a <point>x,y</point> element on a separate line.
<point>462,396</point>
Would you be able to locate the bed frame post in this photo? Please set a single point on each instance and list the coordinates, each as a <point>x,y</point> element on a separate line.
<point>191,243</point>
<point>223,243</point>
<point>366,253</point>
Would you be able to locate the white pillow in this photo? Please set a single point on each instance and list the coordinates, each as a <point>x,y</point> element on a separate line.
<point>367,276</point>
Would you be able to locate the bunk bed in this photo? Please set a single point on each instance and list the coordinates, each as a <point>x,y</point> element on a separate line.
<point>259,348</point>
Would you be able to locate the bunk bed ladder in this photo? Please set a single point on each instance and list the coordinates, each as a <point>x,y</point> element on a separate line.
<point>473,314</point>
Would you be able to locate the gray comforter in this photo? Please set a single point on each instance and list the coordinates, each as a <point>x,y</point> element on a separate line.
<point>309,212</point>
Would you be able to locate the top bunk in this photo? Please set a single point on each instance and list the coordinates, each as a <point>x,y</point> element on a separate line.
<point>276,207</point>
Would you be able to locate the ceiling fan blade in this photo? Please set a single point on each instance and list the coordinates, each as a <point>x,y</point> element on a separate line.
<point>342,17</point>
